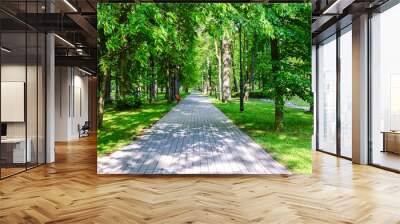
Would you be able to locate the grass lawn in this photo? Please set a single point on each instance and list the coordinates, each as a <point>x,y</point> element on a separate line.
<point>121,127</point>
<point>291,147</point>
<point>296,100</point>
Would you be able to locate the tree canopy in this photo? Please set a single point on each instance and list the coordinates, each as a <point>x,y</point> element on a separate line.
<point>151,48</point>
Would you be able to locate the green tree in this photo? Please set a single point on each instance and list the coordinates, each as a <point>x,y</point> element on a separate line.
<point>146,49</point>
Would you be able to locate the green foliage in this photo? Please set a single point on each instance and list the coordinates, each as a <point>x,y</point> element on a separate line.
<point>291,147</point>
<point>142,45</point>
<point>127,103</point>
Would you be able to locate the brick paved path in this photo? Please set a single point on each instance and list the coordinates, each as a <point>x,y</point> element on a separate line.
<point>193,138</point>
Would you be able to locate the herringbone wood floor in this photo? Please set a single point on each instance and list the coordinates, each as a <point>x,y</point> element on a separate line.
<point>70,191</point>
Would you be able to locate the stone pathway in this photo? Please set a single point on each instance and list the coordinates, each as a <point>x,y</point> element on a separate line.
<point>193,138</point>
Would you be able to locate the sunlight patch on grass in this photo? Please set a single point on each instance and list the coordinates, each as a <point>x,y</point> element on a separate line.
<point>121,127</point>
<point>291,147</point>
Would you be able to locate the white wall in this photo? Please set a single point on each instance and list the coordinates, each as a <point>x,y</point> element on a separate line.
<point>62,81</point>
<point>12,73</point>
<point>17,73</point>
<point>80,96</point>
<point>71,102</point>
<point>13,101</point>
<point>33,126</point>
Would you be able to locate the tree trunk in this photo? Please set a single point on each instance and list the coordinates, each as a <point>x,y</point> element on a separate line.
<point>206,86</point>
<point>217,54</point>
<point>241,84</point>
<point>103,86</point>
<point>221,73</point>
<point>124,84</point>
<point>279,98</point>
<point>209,78</point>
<point>153,84</point>
<point>171,89</point>
<point>117,92</point>
<point>235,85</point>
<point>152,92</point>
<point>247,87</point>
<point>166,93</point>
<point>176,83</point>
<point>247,70</point>
<point>227,71</point>
<point>279,105</point>
<point>253,59</point>
<point>107,98</point>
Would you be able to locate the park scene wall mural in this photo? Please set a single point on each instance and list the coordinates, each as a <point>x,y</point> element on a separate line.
<point>210,88</point>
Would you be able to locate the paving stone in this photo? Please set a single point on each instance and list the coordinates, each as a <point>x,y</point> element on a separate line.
<point>193,138</point>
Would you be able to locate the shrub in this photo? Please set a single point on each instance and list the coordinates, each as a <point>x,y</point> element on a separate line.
<point>257,94</point>
<point>127,103</point>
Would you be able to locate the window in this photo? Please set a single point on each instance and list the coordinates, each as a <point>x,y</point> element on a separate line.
<point>327,95</point>
<point>22,101</point>
<point>385,89</point>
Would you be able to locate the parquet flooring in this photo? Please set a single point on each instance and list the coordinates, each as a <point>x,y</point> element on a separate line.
<point>70,191</point>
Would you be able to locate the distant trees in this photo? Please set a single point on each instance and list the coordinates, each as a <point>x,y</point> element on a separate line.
<point>151,49</point>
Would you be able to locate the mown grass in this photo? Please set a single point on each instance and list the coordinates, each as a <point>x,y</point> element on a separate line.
<point>121,127</point>
<point>298,101</point>
<point>291,147</point>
